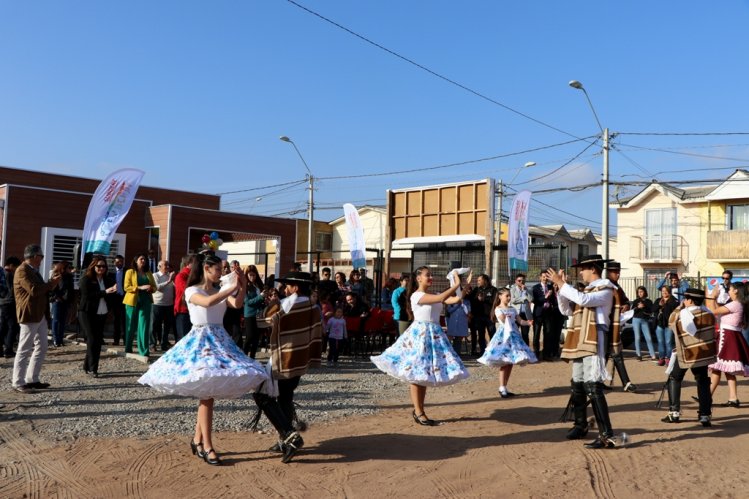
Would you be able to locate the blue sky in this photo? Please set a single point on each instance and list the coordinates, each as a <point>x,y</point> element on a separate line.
<point>197,94</point>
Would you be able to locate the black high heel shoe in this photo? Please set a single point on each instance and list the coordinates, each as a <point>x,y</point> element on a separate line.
<point>212,461</point>
<point>196,449</point>
<point>423,422</point>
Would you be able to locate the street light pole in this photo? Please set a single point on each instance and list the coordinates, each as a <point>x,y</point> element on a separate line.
<point>605,179</point>
<point>311,208</point>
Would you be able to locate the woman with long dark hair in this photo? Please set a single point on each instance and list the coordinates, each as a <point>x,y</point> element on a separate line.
<point>422,355</point>
<point>206,363</point>
<point>662,309</point>
<point>643,308</point>
<point>254,303</point>
<point>139,287</point>
<point>733,351</point>
<point>95,285</point>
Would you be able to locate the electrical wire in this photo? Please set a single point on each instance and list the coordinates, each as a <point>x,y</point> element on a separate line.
<point>430,71</point>
<point>261,188</point>
<point>681,153</point>
<point>558,168</point>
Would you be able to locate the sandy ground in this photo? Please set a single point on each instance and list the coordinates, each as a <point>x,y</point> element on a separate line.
<point>487,447</point>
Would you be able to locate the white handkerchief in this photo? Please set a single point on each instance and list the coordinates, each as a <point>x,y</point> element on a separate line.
<point>687,322</point>
<point>451,278</point>
<point>626,316</point>
<point>228,280</point>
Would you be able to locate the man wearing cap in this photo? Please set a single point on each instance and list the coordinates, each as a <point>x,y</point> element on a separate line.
<point>32,302</point>
<point>693,326</point>
<point>296,345</point>
<point>585,345</point>
<point>613,271</point>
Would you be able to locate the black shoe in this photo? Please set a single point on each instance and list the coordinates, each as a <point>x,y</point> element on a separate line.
<point>671,418</point>
<point>38,385</point>
<point>506,395</point>
<point>277,448</point>
<point>630,387</point>
<point>197,449</point>
<point>577,432</point>
<point>705,421</point>
<point>423,422</point>
<point>24,389</point>
<point>601,443</point>
<point>211,460</point>
<point>291,446</point>
<point>732,403</point>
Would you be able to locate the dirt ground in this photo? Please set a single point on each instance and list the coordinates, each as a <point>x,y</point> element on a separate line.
<point>487,447</point>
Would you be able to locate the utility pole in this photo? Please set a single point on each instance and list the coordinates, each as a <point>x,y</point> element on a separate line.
<point>311,221</point>
<point>605,213</point>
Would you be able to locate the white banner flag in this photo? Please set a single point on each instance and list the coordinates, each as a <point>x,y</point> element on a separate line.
<point>109,206</point>
<point>355,236</point>
<point>517,242</point>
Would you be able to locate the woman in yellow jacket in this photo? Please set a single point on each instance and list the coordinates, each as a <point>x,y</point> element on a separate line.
<point>139,286</point>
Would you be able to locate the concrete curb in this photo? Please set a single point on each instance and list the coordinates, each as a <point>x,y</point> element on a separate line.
<point>134,356</point>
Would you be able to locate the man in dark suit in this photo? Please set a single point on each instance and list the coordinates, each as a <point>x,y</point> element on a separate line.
<point>545,309</point>
<point>115,299</point>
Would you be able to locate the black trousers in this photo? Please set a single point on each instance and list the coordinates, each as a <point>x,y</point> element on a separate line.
<point>232,324</point>
<point>703,389</point>
<point>93,328</point>
<point>286,389</point>
<point>9,327</point>
<point>118,314</point>
<point>163,324</point>
<point>479,327</point>
<point>251,336</point>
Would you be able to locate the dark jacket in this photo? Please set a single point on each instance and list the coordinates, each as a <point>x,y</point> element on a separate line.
<point>91,293</point>
<point>482,300</point>
<point>643,313</point>
<point>662,313</point>
<point>539,299</point>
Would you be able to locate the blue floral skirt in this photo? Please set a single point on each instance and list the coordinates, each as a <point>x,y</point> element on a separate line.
<point>505,349</point>
<point>422,355</point>
<point>205,364</point>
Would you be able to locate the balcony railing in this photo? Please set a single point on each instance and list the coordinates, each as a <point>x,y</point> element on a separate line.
<point>728,245</point>
<point>659,249</point>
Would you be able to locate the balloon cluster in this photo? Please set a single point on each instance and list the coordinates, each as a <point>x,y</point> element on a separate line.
<point>211,241</point>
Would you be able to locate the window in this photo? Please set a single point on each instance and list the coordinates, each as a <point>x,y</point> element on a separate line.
<point>323,241</point>
<point>660,234</point>
<point>58,244</point>
<point>583,250</point>
<point>737,217</point>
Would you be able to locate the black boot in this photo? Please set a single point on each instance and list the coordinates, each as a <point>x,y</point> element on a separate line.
<point>290,441</point>
<point>579,403</point>
<point>704,397</point>
<point>622,370</point>
<point>601,412</point>
<point>674,400</point>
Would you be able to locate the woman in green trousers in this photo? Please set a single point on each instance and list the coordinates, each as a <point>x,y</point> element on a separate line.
<point>139,286</point>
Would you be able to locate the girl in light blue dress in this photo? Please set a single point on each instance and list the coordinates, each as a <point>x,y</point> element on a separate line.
<point>507,347</point>
<point>422,355</point>
<point>207,363</point>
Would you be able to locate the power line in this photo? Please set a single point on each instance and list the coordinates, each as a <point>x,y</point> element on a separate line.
<point>560,167</point>
<point>261,188</point>
<point>678,134</point>
<point>433,73</point>
<point>460,163</point>
<point>693,154</point>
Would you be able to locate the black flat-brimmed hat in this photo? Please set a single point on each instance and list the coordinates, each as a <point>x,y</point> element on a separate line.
<point>694,293</point>
<point>596,260</point>
<point>614,265</point>
<point>296,278</point>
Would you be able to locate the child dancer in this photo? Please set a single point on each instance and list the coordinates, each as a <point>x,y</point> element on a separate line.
<point>336,331</point>
<point>507,347</point>
<point>422,355</point>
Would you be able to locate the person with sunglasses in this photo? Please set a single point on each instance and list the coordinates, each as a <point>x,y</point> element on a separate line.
<point>95,286</point>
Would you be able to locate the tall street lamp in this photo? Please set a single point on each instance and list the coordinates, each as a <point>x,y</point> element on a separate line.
<point>605,181</point>
<point>311,206</point>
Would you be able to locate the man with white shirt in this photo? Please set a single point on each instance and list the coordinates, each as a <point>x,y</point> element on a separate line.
<point>723,297</point>
<point>585,345</point>
<point>163,306</point>
<point>694,329</point>
<point>296,345</point>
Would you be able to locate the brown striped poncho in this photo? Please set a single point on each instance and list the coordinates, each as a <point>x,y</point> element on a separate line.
<point>296,340</point>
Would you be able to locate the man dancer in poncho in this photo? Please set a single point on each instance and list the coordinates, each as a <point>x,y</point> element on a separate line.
<point>585,345</point>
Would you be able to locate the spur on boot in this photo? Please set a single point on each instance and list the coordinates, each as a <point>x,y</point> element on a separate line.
<point>291,446</point>
<point>671,417</point>
<point>601,443</point>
